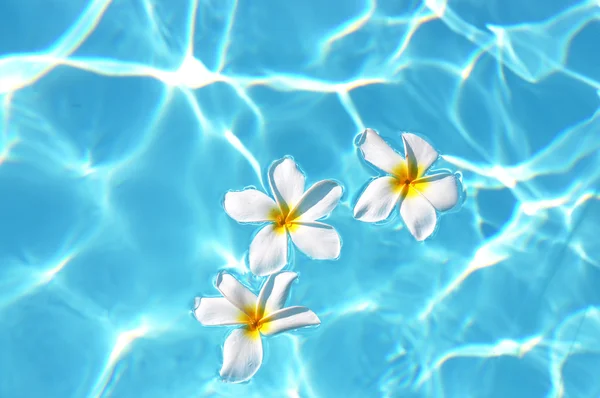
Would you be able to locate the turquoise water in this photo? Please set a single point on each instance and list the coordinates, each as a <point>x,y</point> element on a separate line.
<point>124,123</point>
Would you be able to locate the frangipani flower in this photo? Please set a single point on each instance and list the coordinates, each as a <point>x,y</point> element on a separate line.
<point>258,316</point>
<point>406,183</point>
<point>294,213</point>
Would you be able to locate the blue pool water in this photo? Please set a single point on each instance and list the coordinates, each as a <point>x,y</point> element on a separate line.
<point>124,123</point>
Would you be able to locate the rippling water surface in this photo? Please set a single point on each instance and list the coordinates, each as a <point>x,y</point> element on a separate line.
<point>123,124</point>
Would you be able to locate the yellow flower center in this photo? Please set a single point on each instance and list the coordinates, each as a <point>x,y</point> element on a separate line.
<point>403,184</point>
<point>254,324</point>
<point>254,321</point>
<point>283,222</point>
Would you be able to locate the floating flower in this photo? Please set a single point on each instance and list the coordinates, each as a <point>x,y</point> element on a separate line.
<point>293,214</point>
<point>419,195</point>
<point>259,316</point>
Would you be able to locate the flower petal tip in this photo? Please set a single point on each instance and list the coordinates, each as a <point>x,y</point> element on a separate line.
<point>423,235</point>
<point>242,357</point>
<point>248,205</point>
<point>361,215</point>
<point>421,239</point>
<point>318,201</point>
<point>291,274</point>
<point>317,321</point>
<point>287,158</point>
<point>286,161</point>
<point>361,137</point>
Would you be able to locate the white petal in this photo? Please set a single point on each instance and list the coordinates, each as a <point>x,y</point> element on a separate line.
<point>268,250</point>
<point>275,292</point>
<point>418,215</point>
<point>235,292</point>
<point>377,200</point>
<point>377,152</point>
<point>242,356</point>
<point>419,154</point>
<point>317,240</point>
<point>441,190</point>
<point>217,311</point>
<point>287,182</point>
<point>318,201</point>
<point>249,205</point>
<point>288,319</point>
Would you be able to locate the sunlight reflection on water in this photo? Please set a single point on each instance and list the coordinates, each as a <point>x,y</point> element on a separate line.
<point>120,137</point>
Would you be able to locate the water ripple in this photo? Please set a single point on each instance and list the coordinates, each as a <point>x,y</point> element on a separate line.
<point>122,125</point>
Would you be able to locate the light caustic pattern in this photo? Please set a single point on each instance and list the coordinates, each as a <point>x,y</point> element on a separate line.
<point>123,123</point>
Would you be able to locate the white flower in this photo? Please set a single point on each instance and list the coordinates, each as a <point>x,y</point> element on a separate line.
<point>262,315</point>
<point>419,195</point>
<point>294,214</point>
